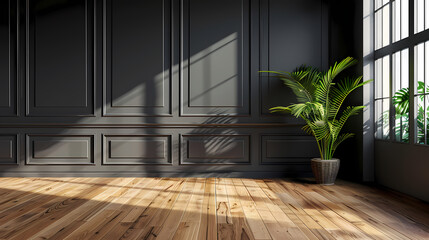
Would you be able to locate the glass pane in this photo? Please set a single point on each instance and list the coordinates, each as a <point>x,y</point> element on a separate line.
<point>404,19</point>
<point>386,77</point>
<point>382,118</point>
<point>378,29</point>
<point>386,25</point>
<point>404,68</point>
<point>401,95</point>
<point>396,71</point>
<point>377,4</point>
<point>378,78</point>
<point>396,16</point>
<point>419,15</point>
<point>426,68</point>
<point>386,109</point>
<point>426,11</point>
<point>420,119</point>
<point>400,19</point>
<point>419,71</point>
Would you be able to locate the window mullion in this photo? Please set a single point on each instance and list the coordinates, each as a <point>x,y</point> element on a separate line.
<point>391,108</point>
<point>412,116</point>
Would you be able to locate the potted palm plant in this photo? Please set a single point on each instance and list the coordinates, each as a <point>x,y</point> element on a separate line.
<point>319,104</point>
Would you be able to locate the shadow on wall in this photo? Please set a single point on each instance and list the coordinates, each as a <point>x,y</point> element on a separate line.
<point>216,69</point>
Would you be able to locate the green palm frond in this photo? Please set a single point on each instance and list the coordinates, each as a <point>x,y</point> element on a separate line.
<point>341,139</point>
<point>319,100</point>
<point>320,129</point>
<point>401,101</point>
<point>323,90</point>
<point>348,112</point>
<point>340,92</point>
<point>279,109</point>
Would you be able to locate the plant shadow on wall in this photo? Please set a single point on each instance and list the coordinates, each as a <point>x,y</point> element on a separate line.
<point>202,66</point>
<point>320,104</point>
<point>138,85</point>
<point>133,90</point>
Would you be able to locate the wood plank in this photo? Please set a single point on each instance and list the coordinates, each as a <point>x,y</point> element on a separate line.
<point>292,200</point>
<point>190,223</point>
<point>158,209</point>
<point>208,226</point>
<point>165,229</point>
<point>119,206</point>
<point>364,218</point>
<point>223,212</point>
<point>56,209</point>
<point>284,218</point>
<point>241,229</point>
<point>74,219</point>
<point>199,208</point>
<point>255,221</point>
<point>276,230</point>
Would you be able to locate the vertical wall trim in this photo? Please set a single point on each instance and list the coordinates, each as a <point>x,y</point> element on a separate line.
<point>325,38</point>
<point>10,109</point>
<point>368,92</point>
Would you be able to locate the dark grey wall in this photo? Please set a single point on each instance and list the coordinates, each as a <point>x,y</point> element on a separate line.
<point>130,87</point>
<point>346,39</point>
<point>403,167</point>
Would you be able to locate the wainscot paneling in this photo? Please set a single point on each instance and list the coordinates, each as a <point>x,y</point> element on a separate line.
<point>60,62</point>
<point>215,149</point>
<point>137,149</point>
<point>288,149</point>
<point>154,87</point>
<point>215,59</point>
<point>138,58</point>
<point>60,149</point>
<point>8,58</point>
<point>8,149</point>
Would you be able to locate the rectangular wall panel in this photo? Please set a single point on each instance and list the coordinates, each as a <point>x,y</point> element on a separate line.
<point>60,39</point>
<point>134,149</point>
<point>60,149</point>
<point>8,58</point>
<point>215,149</point>
<point>137,67</point>
<point>288,149</point>
<point>291,36</point>
<point>8,149</point>
<point>215,62</point>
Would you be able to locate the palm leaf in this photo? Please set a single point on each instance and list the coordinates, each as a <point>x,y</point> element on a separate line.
<point>340,92</point>
<point>341,139</point>
<point>319,101</point>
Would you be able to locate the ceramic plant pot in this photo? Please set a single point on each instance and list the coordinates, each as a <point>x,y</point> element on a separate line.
<point>325,171</point>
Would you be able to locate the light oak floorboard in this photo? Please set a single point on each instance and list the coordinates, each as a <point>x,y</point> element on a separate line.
<point>205,208</point>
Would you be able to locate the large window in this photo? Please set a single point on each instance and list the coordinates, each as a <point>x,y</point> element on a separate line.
<point>401,70</point>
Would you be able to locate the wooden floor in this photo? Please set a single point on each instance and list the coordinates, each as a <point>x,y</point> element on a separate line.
<point>199,208</point>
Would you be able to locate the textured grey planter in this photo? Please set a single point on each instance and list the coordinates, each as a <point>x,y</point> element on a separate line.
<point>325,171</point>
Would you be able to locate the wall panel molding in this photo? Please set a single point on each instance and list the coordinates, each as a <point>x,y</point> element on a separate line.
<point>8,58</point>
<point>59,149</point>
<point>137,149</point>
<point>277,149</point>
<point>8,149</point>
<point>215,62</point>
<point>215,149</point>
<point>60,67</point>
<point>137,64</point>
<point>286,45</point>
